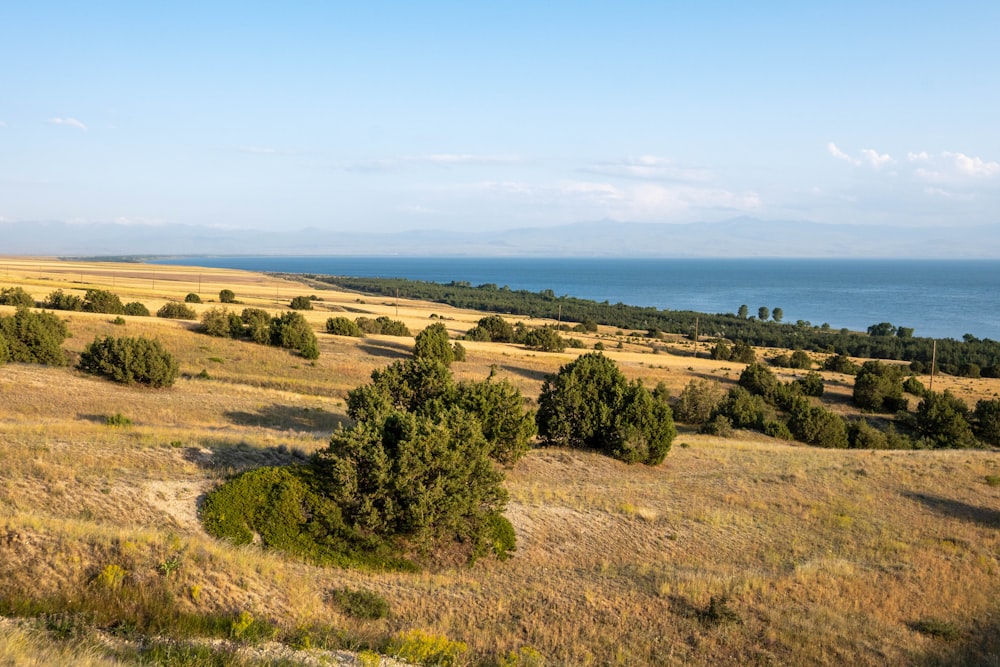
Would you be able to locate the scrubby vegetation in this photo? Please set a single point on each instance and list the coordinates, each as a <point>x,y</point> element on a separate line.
<point>33,338</point>
<point>176,310</point>
<point>414,476</point>
<point>289,330</point>
<point>590,404</point>
<point>16,296</point>
<point>343,326</point>
<point>130,361</point>
<point>382,325</point>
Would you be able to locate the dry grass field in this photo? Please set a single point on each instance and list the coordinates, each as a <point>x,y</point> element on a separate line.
<point>739,551</point>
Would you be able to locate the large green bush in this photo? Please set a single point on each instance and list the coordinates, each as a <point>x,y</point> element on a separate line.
<point>434,343</point>
<point>16,296</point>
<point>879,387</point>
<point>697,401</point>
<point>227,296</point>
<point>342,326</point>
<point>986,421</point>
<point>589,404</point>
<point>59,300</point>
<point>136,308</point>
<point>130,361</point>
<point>492,328</point>
<point>102,301</point>
<point>34,338</point>
<point>382,325</point>
<point>301,303</point>
<point>176,310</point>
<point>943,421</point>
<point>292,331</point>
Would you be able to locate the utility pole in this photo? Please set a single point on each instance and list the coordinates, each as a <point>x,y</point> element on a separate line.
<point>933,363</point>
<point>696,337</point>
<point>397,303</point>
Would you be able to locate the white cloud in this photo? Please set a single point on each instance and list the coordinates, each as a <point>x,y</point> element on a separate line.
<point>922,156</point>
<point>972,166</point>
<point>70,122</point>
<point>841,155</point>
<point>875,159</point>
<point>870,156</point>
<point>650,167</point>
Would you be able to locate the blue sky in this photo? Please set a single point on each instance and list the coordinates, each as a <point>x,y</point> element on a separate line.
<point>386,116</point>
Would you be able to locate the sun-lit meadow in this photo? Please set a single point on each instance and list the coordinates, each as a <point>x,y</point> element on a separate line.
<point>734,551</point>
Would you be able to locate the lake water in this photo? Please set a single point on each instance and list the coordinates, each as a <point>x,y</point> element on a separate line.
<point>939,298</point>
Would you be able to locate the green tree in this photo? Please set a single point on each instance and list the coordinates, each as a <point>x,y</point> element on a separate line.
<point>434,343</point>
<point>758,379</point>
<point>777,314</point>
<point>136,308</point>
<point>301,303</point>
<point>176,310</point>
<point>882,329</point>
<point>413,476</point>
<point>492,328</point>
<point>257,322</point>
<point>697,401</point>
<point>589,404</point>
<point>59,300</point>
<point>342,326</point>
<point>942,419</point>
<point>879,387</point>
<point>811,384</point>
<point>763,313</point>
<point>227,296</point>
<point>292,331</point>
<point>743,353</point>
<point>817,426</point>
<point>33,338</point>
<point>16,296</point>
<point>499,407</point>
<point>192,298</point>
<point>222,323</point>
<point>839,363</point>
<point>986,421</point>
<point>545,339</point>
<point>722,351</point>
<point>741,409</point>
<point>743,312</point>
<point>102,301</point>
<point>130,361</point>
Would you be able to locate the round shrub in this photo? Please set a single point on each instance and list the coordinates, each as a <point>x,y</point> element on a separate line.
<point>176,311</point>
<point>59,300</point>
<point>342,326</point>
<point>589,404</point>
<point>102,301</point>
<point>433,343</point>
<point>34,338</point>
<point>16,296</point>
<point>136,308</point>
<point>192,298</point>
<point>292,331</point>
<point>227,296</point>
<point>301,303</point>
<point>130,361</point>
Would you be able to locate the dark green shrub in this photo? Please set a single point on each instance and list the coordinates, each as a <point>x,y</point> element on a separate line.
<point>59,300</point>
<point>545,339</point>
<point>778,429</point>
<point>492,328</point>
<point>818,427</point>
<point>136,308</point>
<point>719,425</point>
<point>360,603</point>
<point>118,321</point>
<point>4,350</point>
<point>589,404</point>
<point>839,363</point>
<point>382,325</point>
<point>758,379</point>
<point>914,386</point>
<point>227,296</point>
<point>292,331</point>
<point>811,384</point>
<point>743,353</point>
<point>862,435</point>
<point>221,323</point>
<point>697,401</point>
<point>258,325</point>
<point>102,301</point>
<point>986,421</point>
<point>176,311</point>
<point>499,536</point>
<point>191,297</point>
<point>743,409</point>
<point>413,476</point>
<point>458,350</point>
<point>342,326</point>
<point>34,338</point>
<point>879,387</point>
<point>433,343</point>
<point>16,296</point>
<point>722,351</point>
<point>301,303</point>
<point>499,407</point>
<point>129,361</point>
<point>942,419</point>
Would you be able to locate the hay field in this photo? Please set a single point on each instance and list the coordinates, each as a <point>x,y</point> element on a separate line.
<point>732,552</point>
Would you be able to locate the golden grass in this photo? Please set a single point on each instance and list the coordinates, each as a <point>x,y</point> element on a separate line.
<point>820,556</point>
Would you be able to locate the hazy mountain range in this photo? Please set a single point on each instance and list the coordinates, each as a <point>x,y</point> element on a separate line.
<point>739,237</point>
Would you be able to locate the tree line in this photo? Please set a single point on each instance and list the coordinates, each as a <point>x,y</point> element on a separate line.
<point>970,356</point>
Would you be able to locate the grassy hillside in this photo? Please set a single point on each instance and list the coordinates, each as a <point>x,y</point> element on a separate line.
<point>734,551</point>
